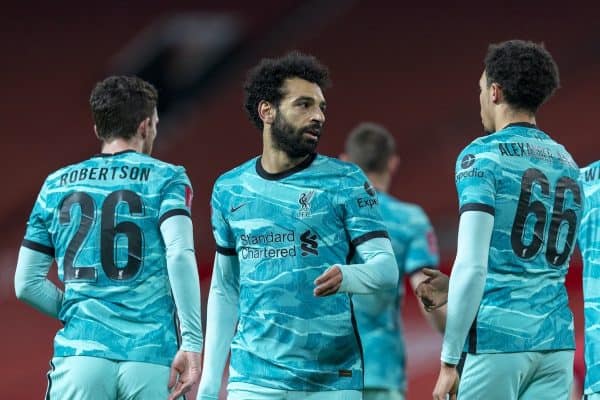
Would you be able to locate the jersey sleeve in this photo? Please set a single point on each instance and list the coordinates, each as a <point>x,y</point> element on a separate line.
<point>223,236</point>
<point>360,208</point>
<point>176,196</point>
<point>37,234</point>
<point>475,178</point>
<point>423,249</point>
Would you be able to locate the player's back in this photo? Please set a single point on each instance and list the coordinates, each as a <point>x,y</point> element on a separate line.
<point>529,183</point>
<point>102,220</point>
<point>589,243</point>
<point>378,315</point>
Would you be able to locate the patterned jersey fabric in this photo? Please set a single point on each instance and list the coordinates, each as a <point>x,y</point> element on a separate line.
<point>589,244</point>
<point>378,316</point>
<point>101,220</point>
<point>286,229</point>
<point>530,184</point>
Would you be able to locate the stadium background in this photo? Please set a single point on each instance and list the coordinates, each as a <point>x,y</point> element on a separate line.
<point>412,68</point>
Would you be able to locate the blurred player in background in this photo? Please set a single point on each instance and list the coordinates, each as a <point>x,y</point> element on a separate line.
<point>286,225</point>
<point>520,207</point>
<point>589,244</point>
<point>373,149</point>
<point>119,227</point>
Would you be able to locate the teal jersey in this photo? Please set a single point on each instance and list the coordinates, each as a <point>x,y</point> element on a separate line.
<point>530,184</point>
<point>589,244</point>
<point>101,220</point>
<point>378,316</point>
<point>286,229</point>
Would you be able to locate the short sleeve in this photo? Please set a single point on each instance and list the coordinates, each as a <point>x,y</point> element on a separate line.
<point>37,234</point>
<point>360,208</point>
<point>423,249</point>
<point>223,236</point>
<point>475,178</point>
<point>176,196</point>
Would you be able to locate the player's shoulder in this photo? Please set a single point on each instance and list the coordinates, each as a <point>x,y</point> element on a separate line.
<point>401,208</point>
<point>590,173</point>
<point>481,150</point>
<point>232,176</point>
<point>337,169</point>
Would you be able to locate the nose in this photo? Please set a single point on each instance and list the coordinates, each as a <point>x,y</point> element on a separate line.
<point>318,115</point>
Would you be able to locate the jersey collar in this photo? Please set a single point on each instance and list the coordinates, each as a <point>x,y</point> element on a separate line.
<point>284,174</point>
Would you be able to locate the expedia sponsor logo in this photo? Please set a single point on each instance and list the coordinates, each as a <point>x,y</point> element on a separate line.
<point>472,173</point>
<point>367,202</point>
<point>467,161</point>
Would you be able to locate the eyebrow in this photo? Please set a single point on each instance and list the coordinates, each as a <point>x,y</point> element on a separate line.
<point>322,104</point>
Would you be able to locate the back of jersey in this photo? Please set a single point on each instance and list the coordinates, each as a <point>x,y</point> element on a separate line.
<point>589,244</point>
<point>101,220</point>
<point>530,184</point>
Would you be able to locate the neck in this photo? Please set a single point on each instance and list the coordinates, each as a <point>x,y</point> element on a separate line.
<point>379,180</point>
<point>119,144</point>
<point>275,160</point>
<point>507,116</point>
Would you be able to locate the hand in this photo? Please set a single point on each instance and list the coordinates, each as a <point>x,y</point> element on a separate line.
<point>185,373</point>
<point>446,386</point>
<point>433,291</point>
<point>329,282</point>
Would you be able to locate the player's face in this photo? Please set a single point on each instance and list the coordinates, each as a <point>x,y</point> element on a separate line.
<point>151,134</point>
<point>485,103</point>
<point>300,117</point>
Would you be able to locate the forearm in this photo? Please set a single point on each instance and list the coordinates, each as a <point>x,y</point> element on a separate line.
<point>467,281</point>
<point>222,317</point>
<point>31,284</point>
<point>379,270</point>
<point>183,277</point>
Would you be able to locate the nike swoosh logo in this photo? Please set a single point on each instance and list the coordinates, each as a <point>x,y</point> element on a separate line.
<point>234,209</point>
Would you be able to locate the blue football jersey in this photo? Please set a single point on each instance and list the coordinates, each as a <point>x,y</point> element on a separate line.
<point>589,244</point>
<point>530,184</point>
<point>378,316</point>
<point>286,229</point>
<point>101,219</point>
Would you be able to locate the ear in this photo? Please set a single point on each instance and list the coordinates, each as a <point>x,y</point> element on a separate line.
<point>496,93</point>
<point>96,131</point>
<point>142,129</point>
<point>344,157</point>
<point>266,112</point>
<point>393,163</point>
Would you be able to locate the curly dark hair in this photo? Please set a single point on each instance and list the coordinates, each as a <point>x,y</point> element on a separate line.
<point>525,70</point>
<point>265,81</point>
<point>120,103</point>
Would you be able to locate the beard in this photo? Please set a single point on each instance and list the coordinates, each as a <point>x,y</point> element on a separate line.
<point>291,140</point>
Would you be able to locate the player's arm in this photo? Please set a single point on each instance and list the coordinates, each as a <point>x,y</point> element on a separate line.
<point>177,233</point>
<point>379,271</point>
<point>31,283</point>
<point>421,257</point>
<point>35,258</point>
<point>222,317</point>
<point>358,208</point>
<point>467,280</point>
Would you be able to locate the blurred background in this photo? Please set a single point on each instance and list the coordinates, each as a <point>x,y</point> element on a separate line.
<point>413,68</point>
